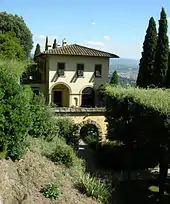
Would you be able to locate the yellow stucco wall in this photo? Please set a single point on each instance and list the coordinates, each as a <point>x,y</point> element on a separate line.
<point>70,69</point>
<point>98,119</point>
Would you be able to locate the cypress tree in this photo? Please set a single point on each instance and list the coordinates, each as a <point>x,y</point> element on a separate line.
<point>37,51</point>
<point>147,61</point>
<point>168,73</point>
<point>162,52</point>
<point>114,80</point>
<point>55,44</point>
<point>46,43</point>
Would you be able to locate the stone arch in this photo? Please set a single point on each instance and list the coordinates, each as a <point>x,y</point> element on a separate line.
<point>58,83</point>
<point>60,94</point>
<point>79,127</point>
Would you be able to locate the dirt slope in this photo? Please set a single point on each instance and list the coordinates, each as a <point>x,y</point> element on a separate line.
<point>21,182</point>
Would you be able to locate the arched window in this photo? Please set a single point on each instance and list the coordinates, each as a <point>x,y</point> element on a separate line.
<point>88,97</point>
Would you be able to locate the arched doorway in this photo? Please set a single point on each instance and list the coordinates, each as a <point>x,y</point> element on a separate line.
<point>60,95</point>
<point>88,97</point>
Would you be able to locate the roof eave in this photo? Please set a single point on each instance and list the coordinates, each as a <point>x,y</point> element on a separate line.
<point>111,55</point>
<point>114,56</point>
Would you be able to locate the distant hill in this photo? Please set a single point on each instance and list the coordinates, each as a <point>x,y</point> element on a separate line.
<point>126,68</point>
<point>125,81</point>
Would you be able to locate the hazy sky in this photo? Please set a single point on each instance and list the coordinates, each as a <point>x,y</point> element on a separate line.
<point>115,26</point>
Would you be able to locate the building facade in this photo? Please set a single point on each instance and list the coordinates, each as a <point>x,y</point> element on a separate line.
<point>70,75</point>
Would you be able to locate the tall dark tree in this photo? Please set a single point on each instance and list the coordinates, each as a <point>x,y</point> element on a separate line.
<point>16,24</point>
<point>114,80</point>
<point>37,51</point>
<point>168,73</point>
<point>147,61</point>
<point>162,52</point>
<point>55,44</point>
<point>46,43</point>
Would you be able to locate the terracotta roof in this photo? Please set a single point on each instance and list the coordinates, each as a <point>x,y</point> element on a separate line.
<point>78,50</point>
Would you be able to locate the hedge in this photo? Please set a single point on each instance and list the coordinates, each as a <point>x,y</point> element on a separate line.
<point>138,118</point>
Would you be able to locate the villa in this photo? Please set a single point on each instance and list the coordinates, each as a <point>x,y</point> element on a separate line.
<point>70,75</point>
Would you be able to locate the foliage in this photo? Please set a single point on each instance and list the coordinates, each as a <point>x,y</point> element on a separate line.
<point>51,190</point>
<point>43,123</point>
<point>15,114</point>
<point>10,47</point>
<point>162,52</point>
<point>63,154</point>
<point>66,129</point>
<point>16,24</point>
<point>28,93</point>
<point>17,67</point>
<point>141,119</point>
<point>168,73</point>
<point>114,80</point>
<point>147,61</point>
<point>46,43</point>
<point>37,51</point>
<point>55,44</point>
<point>91,186</point>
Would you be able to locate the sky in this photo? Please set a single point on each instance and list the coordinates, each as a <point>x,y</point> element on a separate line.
<point>115,26</point>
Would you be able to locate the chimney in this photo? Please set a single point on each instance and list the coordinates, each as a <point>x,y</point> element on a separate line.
<point>58,44</point>
<point>64,42</point>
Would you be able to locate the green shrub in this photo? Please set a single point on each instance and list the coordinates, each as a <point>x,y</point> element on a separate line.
<point>15,117</point>
<point>44,124</point>
<point>139,119</point>
<point>92,186</point>
<point>66,130</point>
<point>63,153</point>
<point>51,190</point>
<point>28,92</point>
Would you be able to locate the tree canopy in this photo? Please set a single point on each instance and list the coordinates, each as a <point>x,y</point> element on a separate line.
<point>162,52</point>
<point>147,61</point>
<point>168,73</point>
<point>55,44</point>
<point>46,43</point>
<point>37,51</point>
<point>114,80</point>
<point>16,24</point>
<point>10,47</point>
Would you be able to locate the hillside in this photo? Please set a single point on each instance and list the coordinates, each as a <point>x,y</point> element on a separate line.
<point>126,68</point>
<point>23,180</point>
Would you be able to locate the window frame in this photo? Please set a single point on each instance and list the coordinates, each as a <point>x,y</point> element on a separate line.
<point>95,70</point>
<point>80,68</point>
<point>58,69</point>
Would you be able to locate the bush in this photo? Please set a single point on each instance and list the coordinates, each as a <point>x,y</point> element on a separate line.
<point>51,190</point>
<point>92,186</point>
<point>15,117</point>
<point>66,130</point>
<point>139,119</point>
<point>63,153</point>
<point>44,124</point>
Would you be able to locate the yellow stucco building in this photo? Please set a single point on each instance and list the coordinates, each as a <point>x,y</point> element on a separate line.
<point>70,75</point>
